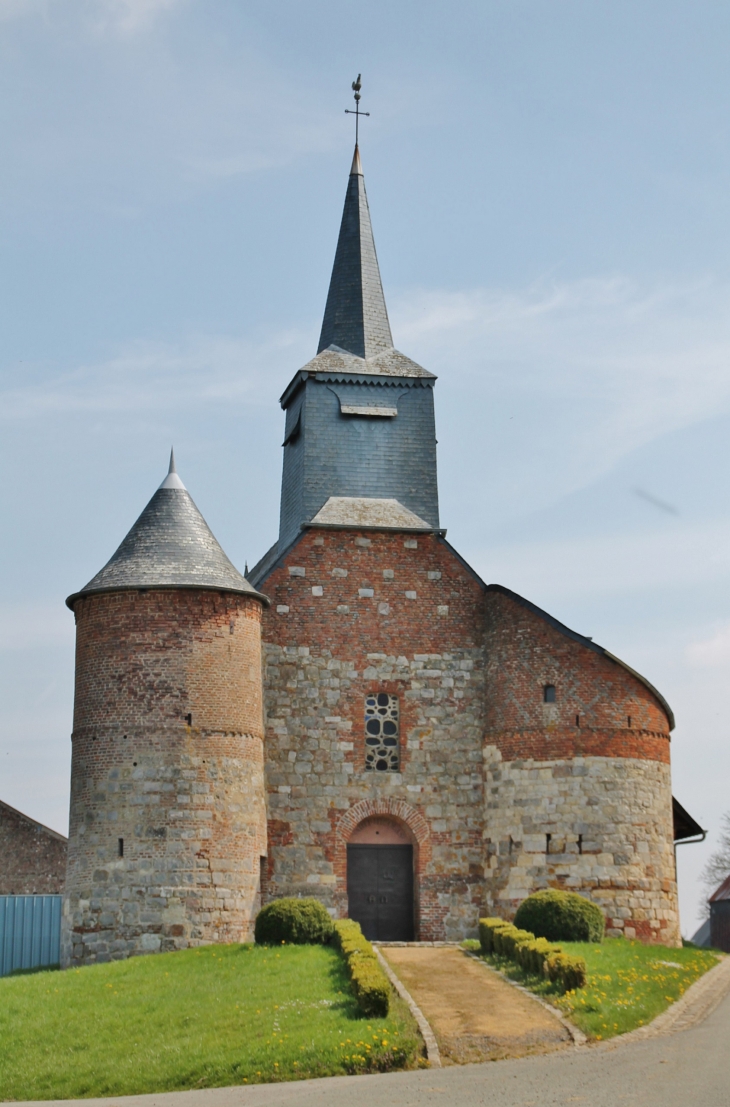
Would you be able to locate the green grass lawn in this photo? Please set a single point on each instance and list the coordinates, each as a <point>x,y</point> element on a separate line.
<point>202,1018</point>
<point>629,984</point>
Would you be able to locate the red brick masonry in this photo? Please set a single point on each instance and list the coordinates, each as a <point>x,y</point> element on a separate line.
<point>167,809</point>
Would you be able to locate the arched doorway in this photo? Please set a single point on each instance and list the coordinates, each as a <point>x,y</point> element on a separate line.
<point>380,862</point>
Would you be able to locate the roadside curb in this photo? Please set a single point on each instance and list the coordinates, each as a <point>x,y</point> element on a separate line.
<point>429,1038</point>
<point>699,1001</point>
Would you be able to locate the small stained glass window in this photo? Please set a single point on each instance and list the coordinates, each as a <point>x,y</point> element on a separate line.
<point>382,742</point>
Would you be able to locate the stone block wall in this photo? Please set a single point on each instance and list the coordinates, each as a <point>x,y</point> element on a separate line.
<point>610,838</point>
<point>167,823</point>
<point>32,856</point>
<point>578,791</point>
<point>354,613</point>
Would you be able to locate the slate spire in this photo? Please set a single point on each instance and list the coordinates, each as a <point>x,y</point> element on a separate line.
<point>355,317</point>
<point>170,546</point>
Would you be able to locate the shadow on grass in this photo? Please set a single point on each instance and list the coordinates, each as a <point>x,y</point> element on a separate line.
<point>34,970</point>
<point>340,980</point>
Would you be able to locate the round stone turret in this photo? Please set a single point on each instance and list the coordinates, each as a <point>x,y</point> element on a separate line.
<point>167,822</point>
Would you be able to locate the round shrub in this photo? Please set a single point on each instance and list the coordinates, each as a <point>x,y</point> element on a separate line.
<point>561,917</point>
<point>299,921</point>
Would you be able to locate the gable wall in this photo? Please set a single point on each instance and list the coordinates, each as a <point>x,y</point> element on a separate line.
<point>323,654</point>
<point>32,858</point>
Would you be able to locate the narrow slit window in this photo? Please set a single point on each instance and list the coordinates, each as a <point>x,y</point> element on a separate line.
<point>628,720</point>
<point>120,847</point>
<point>548,693</point>
<point>577,720</point>
<point>382,733</point>
<point>548,839</point>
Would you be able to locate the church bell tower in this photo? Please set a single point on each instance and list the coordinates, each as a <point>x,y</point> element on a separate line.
<point>360,437</point>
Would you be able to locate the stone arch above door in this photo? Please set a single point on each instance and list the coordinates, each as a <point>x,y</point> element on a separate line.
<point>394,809</point>
<point>381,830</point>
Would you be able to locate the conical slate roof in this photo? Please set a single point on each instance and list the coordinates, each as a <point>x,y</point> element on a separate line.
<point>355,317</point>
<point>170,546</point>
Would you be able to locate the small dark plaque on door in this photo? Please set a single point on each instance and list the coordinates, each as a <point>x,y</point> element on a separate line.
<point>380,891</point>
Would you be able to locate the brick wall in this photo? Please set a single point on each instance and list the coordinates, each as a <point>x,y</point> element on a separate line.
<point>591,771</point>
<point>32,857</point>
<point>167,818</point>
<point>489,769</point>
<point>352,613</point>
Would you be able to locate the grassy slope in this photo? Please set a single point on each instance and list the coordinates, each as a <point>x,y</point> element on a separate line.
<point>629,984</point>
<point>201,1018</point>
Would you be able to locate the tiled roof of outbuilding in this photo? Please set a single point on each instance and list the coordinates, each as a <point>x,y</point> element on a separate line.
<point>170,546</point>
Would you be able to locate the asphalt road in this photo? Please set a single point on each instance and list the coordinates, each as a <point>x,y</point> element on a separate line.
<point>690,1068</point>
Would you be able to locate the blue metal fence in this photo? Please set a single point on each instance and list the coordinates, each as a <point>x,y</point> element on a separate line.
<point>30,932</point>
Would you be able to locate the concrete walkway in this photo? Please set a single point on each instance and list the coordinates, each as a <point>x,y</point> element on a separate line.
<point>474,1013</point>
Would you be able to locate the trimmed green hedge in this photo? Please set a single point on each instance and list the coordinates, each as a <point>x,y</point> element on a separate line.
<point>370,985</point>
<point>534,955</point>
<point>569,972</point>
<point>487,927</point>
<point>298,921</point>
<point>561,917</point>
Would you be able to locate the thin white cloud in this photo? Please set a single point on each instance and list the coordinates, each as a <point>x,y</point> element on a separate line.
<point>21,9</point>
<point>161,122</point>
<point>158,376</point>
<point>606,565</point>
<point>131,16</point>
<point>647,359</point>
<point>124,16</point>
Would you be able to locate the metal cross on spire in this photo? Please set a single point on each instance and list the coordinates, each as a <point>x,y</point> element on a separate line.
<point>356,85</point>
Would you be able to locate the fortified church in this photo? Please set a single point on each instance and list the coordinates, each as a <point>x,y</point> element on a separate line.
<point>361,719</point>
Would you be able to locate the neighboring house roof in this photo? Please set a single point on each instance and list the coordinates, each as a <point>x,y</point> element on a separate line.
<point>588,643</point>
<point>721,893</point>
<point>170,546</point>
<point>701,936</point>
<point>32,822</point>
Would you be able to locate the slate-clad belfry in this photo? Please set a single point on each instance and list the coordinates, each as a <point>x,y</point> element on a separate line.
<point>364,719</point>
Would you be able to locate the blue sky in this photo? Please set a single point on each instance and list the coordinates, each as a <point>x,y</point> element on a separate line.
<point>550,192</point>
